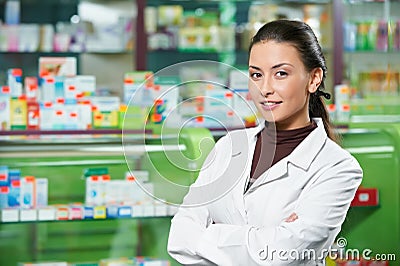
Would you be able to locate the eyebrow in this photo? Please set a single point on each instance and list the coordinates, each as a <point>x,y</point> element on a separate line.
<point>257,68</point>
<point>273,67</point>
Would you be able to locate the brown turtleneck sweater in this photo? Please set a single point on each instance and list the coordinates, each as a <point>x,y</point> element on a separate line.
<point>273,145</point>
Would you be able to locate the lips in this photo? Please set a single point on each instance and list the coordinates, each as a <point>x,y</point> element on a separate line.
<point>269,105</point>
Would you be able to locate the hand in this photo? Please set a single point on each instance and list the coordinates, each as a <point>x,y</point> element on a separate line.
<point>293,217</point>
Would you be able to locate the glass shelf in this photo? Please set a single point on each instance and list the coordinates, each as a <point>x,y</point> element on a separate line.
<point>66,137</point>
<point>73,132</point>
<point>100,142</point>
<point>62,213</point>
<point>67,53</point>
<point>353,2</point>
<point>216,3</point>
<point>368,52</point>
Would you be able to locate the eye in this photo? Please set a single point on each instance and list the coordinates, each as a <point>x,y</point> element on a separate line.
<point>281,74</point>
<point>255,75</point>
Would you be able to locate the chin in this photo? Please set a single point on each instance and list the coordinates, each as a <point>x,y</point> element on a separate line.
<point>269,119</point>
<point>268,116</point>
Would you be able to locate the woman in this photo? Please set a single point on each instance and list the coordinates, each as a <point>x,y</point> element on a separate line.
<point>289,185</point>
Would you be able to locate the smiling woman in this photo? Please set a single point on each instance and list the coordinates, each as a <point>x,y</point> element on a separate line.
<point>286,64</point>
<point>292,183</point>
<point>280,84</point>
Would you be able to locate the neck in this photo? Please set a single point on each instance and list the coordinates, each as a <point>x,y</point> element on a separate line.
<point>288,126</point>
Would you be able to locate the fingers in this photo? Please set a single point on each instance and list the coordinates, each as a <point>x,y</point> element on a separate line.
<point>293,217</point>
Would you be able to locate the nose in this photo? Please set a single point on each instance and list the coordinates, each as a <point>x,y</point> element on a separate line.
<point>266,89</point>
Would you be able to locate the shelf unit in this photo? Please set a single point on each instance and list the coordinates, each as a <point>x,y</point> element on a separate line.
<point>108,77</point>
<point>157,59</point>
<point>81,213</point>
<point>370,31</point>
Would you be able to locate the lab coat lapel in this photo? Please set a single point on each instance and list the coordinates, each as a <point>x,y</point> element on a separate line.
<point>309,148</point>
<point>278,170</point>
<point>302,156</point>
<point>240,164</point>
<point>236,150</point>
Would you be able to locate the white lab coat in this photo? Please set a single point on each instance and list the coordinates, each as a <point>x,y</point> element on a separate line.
<point>218,223</point>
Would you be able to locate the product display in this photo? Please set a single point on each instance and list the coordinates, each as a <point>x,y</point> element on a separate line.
<point>371,59</point>
<point>86,177</point>
<point>65,101</point>
<point>25,198</point>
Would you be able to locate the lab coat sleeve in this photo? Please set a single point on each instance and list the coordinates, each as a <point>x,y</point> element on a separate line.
<point>321,211</point>
<point>187,228</point>
<point>190,222</point>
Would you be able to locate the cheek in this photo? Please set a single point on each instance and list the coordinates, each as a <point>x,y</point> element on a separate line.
<point>253,88</point>
<point>293,90</point>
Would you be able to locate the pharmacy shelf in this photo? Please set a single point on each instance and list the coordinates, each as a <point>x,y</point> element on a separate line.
<point>86,213</point>
<point>368,52</point>
<point>101,142</point>
<point>73,132</point>
<point>365,1</point>
<point>52,150</point>
<point>365,197</point>
<point>67,53</point>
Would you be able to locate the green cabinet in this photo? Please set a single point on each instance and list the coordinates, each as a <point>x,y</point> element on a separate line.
<point>376,228</point>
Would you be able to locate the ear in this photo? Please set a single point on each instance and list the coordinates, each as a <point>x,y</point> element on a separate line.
<point>316,76</point>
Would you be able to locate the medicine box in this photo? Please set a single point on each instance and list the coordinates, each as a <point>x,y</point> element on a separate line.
<point>112,211</point>
<point>14,81</point>
<point>88,212</point>
<point>47,213</point>
<point>9,215</point>
<point>4,109</point>
<point>62,213</point>
<point>95,189</point>
<point>4,181</point>
<point>48,89</point>
<point>28,192</point>
<point>14,195</point>
<point>18,113</point>
<point>137,210</point>
<point>99,212</point>
<point>124,211</point>
<point>76,212</point>
<point>41,192</point>
<point>57,66</point>
<point>4,191</point>
<point>28,215</point>
<point>33,118</point>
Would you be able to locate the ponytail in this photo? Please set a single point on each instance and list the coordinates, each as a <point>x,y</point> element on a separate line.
<point>317,108</point>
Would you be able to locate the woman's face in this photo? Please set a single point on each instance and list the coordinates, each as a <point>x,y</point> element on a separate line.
<point>280,85</point>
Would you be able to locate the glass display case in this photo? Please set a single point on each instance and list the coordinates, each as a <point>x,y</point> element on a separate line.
<point>104,195</point>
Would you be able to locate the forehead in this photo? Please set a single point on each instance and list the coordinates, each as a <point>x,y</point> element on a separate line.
<point>270,53</point>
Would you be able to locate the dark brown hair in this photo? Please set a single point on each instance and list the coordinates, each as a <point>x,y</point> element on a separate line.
<point>301,36</point>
